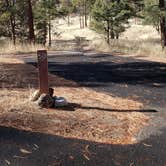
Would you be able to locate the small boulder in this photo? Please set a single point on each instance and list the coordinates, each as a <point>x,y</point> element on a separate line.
<point>45,101</point>
<point>35,96</point>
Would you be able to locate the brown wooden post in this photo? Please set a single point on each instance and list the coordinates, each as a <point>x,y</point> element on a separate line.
<point>43,71</point>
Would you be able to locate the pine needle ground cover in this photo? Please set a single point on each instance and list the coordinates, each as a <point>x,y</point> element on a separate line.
<point>90,115</point>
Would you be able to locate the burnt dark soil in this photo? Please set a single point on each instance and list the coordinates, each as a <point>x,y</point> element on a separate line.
<point>140,80</point>
<point>23,148</point>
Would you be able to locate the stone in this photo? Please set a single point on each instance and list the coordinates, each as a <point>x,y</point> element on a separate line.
<point>60,102</point>
<point>35,96</point>
<point>45,101</point>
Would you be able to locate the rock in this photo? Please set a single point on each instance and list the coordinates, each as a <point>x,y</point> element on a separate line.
<point>35,96</point>
<point>60,102</point>
<point>45,101</point>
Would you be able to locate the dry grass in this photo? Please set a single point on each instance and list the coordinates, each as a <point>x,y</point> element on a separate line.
<point>93,124</point>
<point>7,47</point>
<point>144,47</point>
<point>137,40</point>
<point>10,60</point>
<point>97,117</point>
<point>66,32</point>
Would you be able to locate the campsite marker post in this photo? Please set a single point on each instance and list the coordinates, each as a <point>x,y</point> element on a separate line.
<point>43,71</point>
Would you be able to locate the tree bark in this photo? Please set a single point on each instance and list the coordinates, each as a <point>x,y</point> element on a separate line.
<point>161,4</point>
<point>162,24</point>
<point>112,35</point>
<point>68,19</point>
<point>80,16</point>
<point>83,22</point>
<point>45,32</point>
<point>13,25</point>
<point>163,31</point>
<point>108,32</point>
<point>85,13</point>
<point>49,32</point>
<point>31,23</point>
<point>12,21</point>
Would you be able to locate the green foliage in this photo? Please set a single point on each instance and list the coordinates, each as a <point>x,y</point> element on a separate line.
<point>80,5</point>
<point>111,17</point>
<point>4,18</point>
<point>152,13</point>
<point>14,18</point>
<point>40,20</point>
<point>67,7</point>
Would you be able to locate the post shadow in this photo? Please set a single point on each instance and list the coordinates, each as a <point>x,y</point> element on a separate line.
<point>74,106</point>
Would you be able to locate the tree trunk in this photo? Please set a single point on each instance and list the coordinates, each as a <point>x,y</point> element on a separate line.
<point>161,4</point>
<point>112,34</point>
<point>117,36</point>
<point>49,32</point>
<point>12,21</point>
<point>162,24</point>
<point>108,32</point>
<point>13,25</point>
<point>45,33</point>
<point>68,19</point>
<point>163,31</point>
<point>80,16</point>
<point>80,21</point>
<point>83,21</point>
<point>30,23</point>
<point>85,13</point>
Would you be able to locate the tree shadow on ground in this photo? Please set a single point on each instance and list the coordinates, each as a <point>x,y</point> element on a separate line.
<point>118,75</point>
<point>23,76</point>
<point>22,148</point>
<point>93,74</point>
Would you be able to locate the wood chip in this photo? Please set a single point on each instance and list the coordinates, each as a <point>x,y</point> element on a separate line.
<point>147,145</point>
<point>8,162</point>
<point>86,157</point>
<point>20,157</point>
<point>25,151</point>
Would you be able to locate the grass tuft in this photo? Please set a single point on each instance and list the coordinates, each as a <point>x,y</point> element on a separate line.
<point>7,47</point>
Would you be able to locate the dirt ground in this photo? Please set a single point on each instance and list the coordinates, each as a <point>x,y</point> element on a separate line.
<point>91,115</point>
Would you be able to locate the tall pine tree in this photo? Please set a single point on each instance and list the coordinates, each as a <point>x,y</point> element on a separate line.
<point>111,17</point>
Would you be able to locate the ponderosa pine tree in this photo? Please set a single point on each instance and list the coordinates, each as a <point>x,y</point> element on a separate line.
<point>31,36</point>
<point>17,20</point>
<point>111,17</point>
<point>155,14</point>
<point>8,19</point>
<point>67,8</point>
<point>83,8</point>
<point>151,13</point>
<point>162,7</point>
<point>45,11</point>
